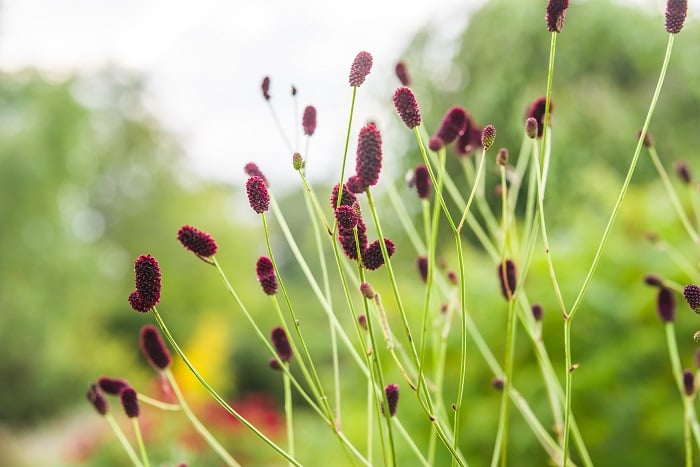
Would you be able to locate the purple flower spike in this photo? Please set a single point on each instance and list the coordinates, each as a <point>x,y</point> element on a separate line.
<point>198,242</point>
<point>453,125</point>
<point>348,199</point>
<point>392,398</point>
<point>372,257</point>
<point>266,275</point>
<point>666,305</point>
<point>507,275</point>
<point>556,11</point>
<point>258,196</point>
<point>536,111</point>
<point>154,348</point>
<point>265,86</point>
<point>147,279</point>
<point>112,385</point>
<point>402,74</point>
<point>251,169</point>
<point>309,120</point>
<point>360,68</point>
<point>676,11</point>
<point>281,344</point>
<point>97,399</point>
<point>537,312</point>
<point>691,292</point>
<point>470,139</point>
<point>407,107</point>
<point>422,264</point>
<point>368,163</point>
<point>347,217</point>
<point>422,181</point>
<point>130,402</point>
<point>688,383</point>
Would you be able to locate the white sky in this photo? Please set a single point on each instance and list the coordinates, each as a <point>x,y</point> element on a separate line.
<point>204,61</point>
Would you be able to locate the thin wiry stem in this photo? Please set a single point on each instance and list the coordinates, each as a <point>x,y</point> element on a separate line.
<point>122,439</point>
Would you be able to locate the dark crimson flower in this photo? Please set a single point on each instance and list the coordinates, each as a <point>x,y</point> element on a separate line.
<point>402,74</point>
<point>346,237</point>
<point>683,172</point>
<point>258,196</point>
<point>648,138</point>
<point>112,385</point>
<point>556,11</point>
<point>153,347</point>
<point>470,140</point>
<point>531,127</point>
<point>137,303</point>
<point>537,312</point>
<point>536,111</point>
<point>392,397</point>
<point>347,198</point>
<point>407,107</point>
<point>666,305</point>
<point>198,242</point>
<point>130,402</point>
<point>362,321</point>
<point>502,157</point>
<point>360,68</point>
<point>309,120</point>
<point>356,185</point>
<point>453,124</point>
<point>435,143</point>
<point>507,275</point>
<point>251,169</point>
<point>688,382</point>
<point>691,292</point>
<point>488,136</point>
<point>498,384</point>
<point>266,275</point>
<point>265,86</point>
<point>281,344</point>
<point>676,10</point>
<point>653,280</point>
<point>347,217</point>
<point>422,264</point>
<point>97,399</point>
<point>422,181</point>
<point>372,257</point>
<point>274,364</point>
<point>367,291</point>
<point>147,279</point>
<point>368,162</point>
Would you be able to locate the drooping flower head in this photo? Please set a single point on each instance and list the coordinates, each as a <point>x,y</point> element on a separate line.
<point>130,402</point>
<point>265,86</point>
<point>507,276</point>
<point>281,344</point>
<point>154,348</point>
<point>97,399</point>
<point>453,125</point>
<point>266,275</point>
<point>666,305</point>
<point>422,181</point>
<point>691,292</point>
<point>653,280</point>
<point>368,162</point>
<point>407,107</point>
<point>470,139</point>
<point>147,280</point>
<point>251,169</point>
<point>367,291</point>
<point>112,385</point>
<point>258,196</point>
<point>309,120</point>
<point>402,74</point>
<point>392,398</point>
<point>360,68</point>
<point>536,111</point>
<point>676,11</point>
<point>197,241</point>
<point>555,13</point>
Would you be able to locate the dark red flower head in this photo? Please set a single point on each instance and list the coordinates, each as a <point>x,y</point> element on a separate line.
<point>368,163</point>
<point>372,256</point>
<point>402,73</point>
<point>688,383</point>
<point>407,107</point>
<point>691,292</point>
<point>309,120</point>
<point>347,199</point>
<point>683,172</point>
<point>281,344</point>
<point>112,385</point>
<point>265,86</point>
<point>347,217</point>
<point>266,275</point>
<point>536,111</point>
<point>537,312</point>
<point>676,11</point>
<point>198,242</point>
<point>648,138</point>
<point>258,196</point>
<point>356,185</point>
<point>97,399</point>
<point>147,279</point>
<point>367,291</point>
<point>666,305</point>
<point>360,68</point>
<point>422,181</point>
<point>555,13</point>
<point>653,280</point>
<point>297,161</point>
<point>470,139</point>
<point>422,264</point>
<point>346,237</point>
<point>154,348</point>
<point>435,143</point>
<point>130,402</point>
<point>531,127</point>
<point>507,275</point>
<point>251,169</point>
<point>453,124</point>
<point>392,397</point>
<point>488,136</point>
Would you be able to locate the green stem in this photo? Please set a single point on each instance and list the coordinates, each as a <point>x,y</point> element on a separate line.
<point>122,439</point>
<point>158,404</point>
<point>345,150</point>
<point>139,441</point>
<point>288,412</point>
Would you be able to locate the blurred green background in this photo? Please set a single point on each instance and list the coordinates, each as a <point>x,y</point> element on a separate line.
<point>90,180</point>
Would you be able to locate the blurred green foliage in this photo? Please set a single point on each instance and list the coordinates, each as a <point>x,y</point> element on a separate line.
<point>90,180</point>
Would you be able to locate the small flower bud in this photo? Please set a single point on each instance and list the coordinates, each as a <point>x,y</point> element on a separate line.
<point>372,257</point>
<point>422,264</point>
<point>537,312</point>
<point>555,13</point>
<point>502,157</point>
<point>367,291</point>
<point>422,181</point>
<point>97,399</point>
<point>402,74</point>
<point>258,196</point>
<point>274,364</point>
<point>368,163</point>
<point>198,242</point>
<point>507,276</point>
<point>407,107</point>
<point>683,172</point>
<point>676,11</point>
<point>653,280</point>
<point>154,348</point>
<point>251,169</point>
<point>488,136</point>
<point>392,398</point>
<point>435,143</point>
<point>691,292</point>
<point>265,86</point>
<point>531,127</point>
<point>453,125</point>
<point>452,277</point>
<point>666,305</point>
<point>537,110</point>
<point>362,321</point>
<point>498,384</point>
<point>281,344</point>
<point>688,383</point>
<point>297,161</point>
<point>309,120</point>
<point>648,141</point>
<point>130,402</point>
<point>360,68</point>
<point>266,275</point>
<point>112,385</point>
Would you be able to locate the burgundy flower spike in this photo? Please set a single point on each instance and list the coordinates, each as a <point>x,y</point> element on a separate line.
<point>266,275</point>
<point>154,348</point>
<point>368,163</point>
<point>258,197</point>
<point>198,242</point>
<point>407,107</point>
<point>309,120</point>
<point>147,279</point>
<point>360,68</point>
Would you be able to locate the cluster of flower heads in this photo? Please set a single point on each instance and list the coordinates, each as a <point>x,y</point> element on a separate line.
<point>350,224</point>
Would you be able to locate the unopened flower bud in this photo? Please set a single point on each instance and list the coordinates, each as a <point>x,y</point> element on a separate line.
<point>407,107</point>
<point>297,161</point>
<point>488,136</point>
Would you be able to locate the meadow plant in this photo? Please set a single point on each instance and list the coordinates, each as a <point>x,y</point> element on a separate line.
<point>376,329</point>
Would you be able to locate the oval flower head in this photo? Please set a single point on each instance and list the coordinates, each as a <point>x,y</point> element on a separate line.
<point>258,196</point>
<point>198,242</point>
<point>368,162</point>
<point>360,68</point>
<point>407,107</point>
